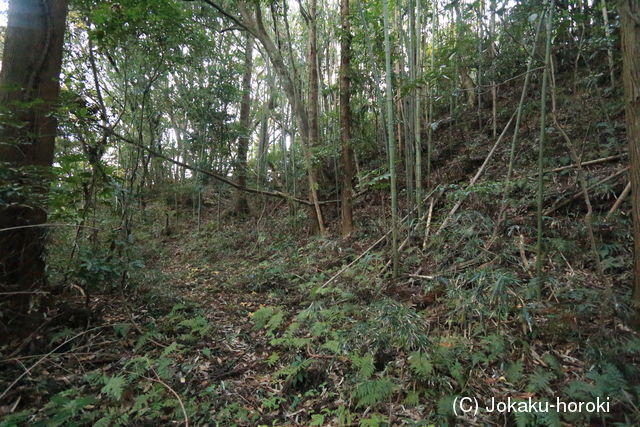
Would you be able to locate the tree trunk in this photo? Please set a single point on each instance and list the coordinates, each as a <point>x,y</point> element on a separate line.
<point>30,70</point>
<point>630,29</point>
<point>391,142</point>
<point>543,132</point>
<point>241,204</point>
<point>253,21</point>
<point>346,205</point>
<point>416,67</point>
<point>314,131</point>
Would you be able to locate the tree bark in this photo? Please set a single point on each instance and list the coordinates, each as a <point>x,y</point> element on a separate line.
<point>29,88</point>
<point>346,206</point>
<point>241,204</point>
<point>630,29</point>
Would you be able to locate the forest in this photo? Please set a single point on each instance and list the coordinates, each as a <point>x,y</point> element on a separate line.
<point>320,213</point>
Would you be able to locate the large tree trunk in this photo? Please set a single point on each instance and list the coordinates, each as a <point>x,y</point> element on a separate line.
<point>630,29</point>
<point>30,70</point>
<point>346,207</point>
<point>241,205</point>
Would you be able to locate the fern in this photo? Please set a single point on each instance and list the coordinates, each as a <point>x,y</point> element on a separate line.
<point>275,322</point>
<point>513,371</point>
<point>365,365</point>
<point>540,380</point>
<point>272,359</point>
<point>290,342</point>
<point>524,419</point>
<point>114,387</point>
<point>294,373</point>
<point>375,420</point>
<point>333,346</point>
<point>457,372</point>
<point>372,392</point>
<point>261,316</point>
<point>198,325</point>
<point>445,406</point>
<point>412,398</point>
<point>420,364</point>
<point>610,383</point>
<point>550,418</point>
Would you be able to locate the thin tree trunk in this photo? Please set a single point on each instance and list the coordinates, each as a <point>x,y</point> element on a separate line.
<point>516,130</point>
<point>543,118</point>
<point>494,90</point>
<point>314,132</point>
<point>346,206</point>
<point>252,20</point>
<point>417,64</point>
<point>431,91</point>
<point>607,32</point>
<point>391,141</point>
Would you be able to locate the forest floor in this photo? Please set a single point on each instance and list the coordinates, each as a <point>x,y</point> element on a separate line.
<point>234,327</point>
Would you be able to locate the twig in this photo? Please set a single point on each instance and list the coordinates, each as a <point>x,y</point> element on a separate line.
<point>422,276</point>
<point>211,174</point>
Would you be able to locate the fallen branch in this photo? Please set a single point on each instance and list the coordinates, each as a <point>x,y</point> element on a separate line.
<point>213,175</point>
<point>370,248</point>
<point>46,225</point>
<point>26,371</point>
<point>579,193</point>
<point>588,163</point>
<point>619,201</point>
<point>475,177</point>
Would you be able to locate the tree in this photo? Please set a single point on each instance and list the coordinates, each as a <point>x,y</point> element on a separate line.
<point>29,88</point>
<point>346,207</point>
<point>242,207</point>
<point>251,20</point>
<point>391,141</point>
<point>543,131</point>
<point>630,29</point>
<point>416,70</point>
<point>314,129</point>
